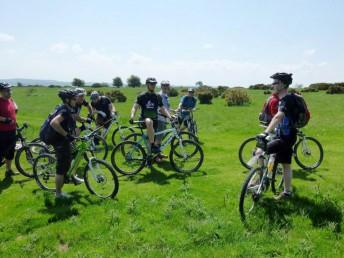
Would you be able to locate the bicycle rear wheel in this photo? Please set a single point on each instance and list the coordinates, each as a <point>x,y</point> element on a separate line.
<point>99,147</point>
<point>308,153</point>
<point>186,156</point>
<point>128,158</point>
<point>44,171</point>
<point>247,150</point>
<point>26,156</point>
<point>250,193</point>
<point>120,134</point>
<point>100,179</point>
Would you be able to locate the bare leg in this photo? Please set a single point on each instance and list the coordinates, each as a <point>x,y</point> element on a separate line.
<point>8,165</point>
<point>59,180</point>
<point>150,130</point>
<point>287,173</point>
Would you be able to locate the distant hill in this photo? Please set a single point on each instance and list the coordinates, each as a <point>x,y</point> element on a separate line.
<point>35,82</point>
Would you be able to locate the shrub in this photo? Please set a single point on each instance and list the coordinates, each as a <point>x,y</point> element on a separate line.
<point>309,90</point>
<point>99,85</point>
<point>173,92</point>
<point>222,89</point>
<point>116,96</point>
<point>205,97</point>
<point>335,89</point>
<point>236,97</point>
<point>260,87</point>
<point>214,92</point>
<point>293,90</point>
<point>320,86</point>
<point>267,92</point>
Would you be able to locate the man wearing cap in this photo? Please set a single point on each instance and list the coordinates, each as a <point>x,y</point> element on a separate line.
<point>8,110</point>
<point>186,105</point>
<point>80,102</point>
<point>103,107</point>
<point>150,103</point>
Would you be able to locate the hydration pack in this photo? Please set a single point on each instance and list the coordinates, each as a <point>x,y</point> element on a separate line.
<point>301,112</point>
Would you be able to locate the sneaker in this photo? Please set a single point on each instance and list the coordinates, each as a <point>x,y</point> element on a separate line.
<point>10,173</point>
<point>62,195</point>
<point>283,196</point>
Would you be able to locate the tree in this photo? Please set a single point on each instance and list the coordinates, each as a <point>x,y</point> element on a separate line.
<point>117,82</point>
<point>199,84</point>
<point>78,82</point>
<point>134,81</point>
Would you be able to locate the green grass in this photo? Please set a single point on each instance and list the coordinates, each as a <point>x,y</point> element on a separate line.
<point>161,213</point>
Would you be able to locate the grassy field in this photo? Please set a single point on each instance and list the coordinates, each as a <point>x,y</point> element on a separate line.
<point>159,213</point>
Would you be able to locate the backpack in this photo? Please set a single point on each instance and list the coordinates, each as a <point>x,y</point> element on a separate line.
<point>301,112</point>
<point>46,133</point>
<point>265,116</point>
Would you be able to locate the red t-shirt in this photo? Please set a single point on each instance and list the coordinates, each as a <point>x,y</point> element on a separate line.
<point>8,109</point>
<point>273,104</point>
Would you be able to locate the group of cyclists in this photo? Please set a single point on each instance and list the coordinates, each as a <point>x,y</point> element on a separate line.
<point>60,129</point>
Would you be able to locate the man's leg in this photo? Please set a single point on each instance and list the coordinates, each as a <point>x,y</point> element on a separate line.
<point>63,159</point>
<point>287,173</point>
<point>150,130</point>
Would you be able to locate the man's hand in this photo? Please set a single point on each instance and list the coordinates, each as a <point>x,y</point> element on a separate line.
<point>131,121</point>
<point>70,137</point>
<point>262,136</point>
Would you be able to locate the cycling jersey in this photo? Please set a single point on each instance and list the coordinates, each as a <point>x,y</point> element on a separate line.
<point>286,127</point>
<point>188,102</point>
<point>102,105</point>
<point>166,104</point>
<point>149,103</point>
<point>8,109</point>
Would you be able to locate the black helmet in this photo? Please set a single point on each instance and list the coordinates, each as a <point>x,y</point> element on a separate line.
<point>151,80</point>
<point>4,85</point>
<point>67,94</point>
<point>285,78</point>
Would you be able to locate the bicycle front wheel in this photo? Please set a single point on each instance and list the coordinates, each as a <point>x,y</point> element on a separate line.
<point>186,156</point>
<point>128,158</point>
<point>308,153</point>
<point>120,134</point>
<point>250,193</point>
<point>26,156</point>
<point>99,147</point>
<point>247,150</point>
<point>101,179</point>
<point>44,171</point>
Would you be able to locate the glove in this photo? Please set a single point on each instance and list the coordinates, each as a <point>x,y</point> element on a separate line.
<point>7,121</point>
<point>89,120</point>
<point>70,137</point>
<point>131,121</point>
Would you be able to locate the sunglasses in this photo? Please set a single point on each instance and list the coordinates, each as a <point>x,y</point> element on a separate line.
<point>275,83</point>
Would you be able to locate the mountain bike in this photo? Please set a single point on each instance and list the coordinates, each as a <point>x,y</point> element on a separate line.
<point>258,182</point>
<point>188,121</point>
<point>26,152</point>
<point>308,152</point>
<point>98,176</point>
<point>130,157</point>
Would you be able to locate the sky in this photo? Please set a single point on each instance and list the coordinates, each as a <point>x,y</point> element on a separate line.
<point>233,43</point>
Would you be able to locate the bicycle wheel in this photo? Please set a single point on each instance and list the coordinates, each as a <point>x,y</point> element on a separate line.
<point>247,150</point>
<point>250,193</point>
<point>99,147</point>
<point>38,140</point>
<point>186,156</point>
<point>44,171</point>
<point>26,156</point>
<point>101,179</point>
<point>185,136</point>
<point>308,153</point>
<point>120,134</point>
<point>277,179</point>
<point>128,158</point>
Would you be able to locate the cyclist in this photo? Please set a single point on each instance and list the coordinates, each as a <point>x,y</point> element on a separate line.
<point>165,89</point>
<point>8,110</point>
<point>286,131</point>
<point>103,107</point>
<point>80,102</point>
<point>150,103</point>
<point>62,126</point>
<point>186,105</point>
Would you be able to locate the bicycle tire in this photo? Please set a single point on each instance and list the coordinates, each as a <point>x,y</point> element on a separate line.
<point>121,148</point>
<point>37,176</point>
<point>241,150</point>
<point>29,158</point>
<point>196,150</point>
<point>104,144</point>
<point>319,160</point>
<point>117,131</point>
<point>100,178</point>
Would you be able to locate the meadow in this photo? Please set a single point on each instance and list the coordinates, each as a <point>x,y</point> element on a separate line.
<point>160,213</point>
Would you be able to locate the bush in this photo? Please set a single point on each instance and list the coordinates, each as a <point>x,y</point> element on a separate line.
<point>320,86</point>
<point>134,81</point>
<point>236,97</point>
<point>173,92</point>
<point>293,90</point>
<point>205,97</point>
<point>267,92</point>
<point>99,85</point>
<point>335,89</point>
<point>260,87</point>
<point>222,89</point>
<point>214,92</point>
<point>309,90</point>
<point>116,96</point>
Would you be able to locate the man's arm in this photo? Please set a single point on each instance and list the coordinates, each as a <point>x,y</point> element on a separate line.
<point>165,112</point>
<point>56,125</point>
<point>275,121</point>
<point>133,110</point>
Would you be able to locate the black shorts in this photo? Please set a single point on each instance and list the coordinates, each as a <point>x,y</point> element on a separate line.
<point>155,123</point>
<point>101,121</point>
<point>283,147</point>
<point>63,150</point>
<point>7,145</point>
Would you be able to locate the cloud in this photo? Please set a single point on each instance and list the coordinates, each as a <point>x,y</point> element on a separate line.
<point>76,48</point>
<point>4,37</point>
<point>59,48</point>
<point>208,46</point>
<point>138,59</point>
<point>310,52</point>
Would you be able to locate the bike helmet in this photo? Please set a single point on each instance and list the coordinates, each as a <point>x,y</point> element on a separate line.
<point>165,83</point>
<point>151,80</point>
<point>285,78</point>
<point>66,94</point>
<point>94,95</point>
<point>4,85</point>
<point>80,92</point>
<point>191,90</point>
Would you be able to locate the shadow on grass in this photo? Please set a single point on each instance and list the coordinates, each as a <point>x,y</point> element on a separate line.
<point>62,209</point>
<point>321,211</point>
<point>304,174</point>
<point>5,183</point>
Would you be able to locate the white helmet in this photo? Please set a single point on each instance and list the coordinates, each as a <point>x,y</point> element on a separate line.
<point>80,92</point>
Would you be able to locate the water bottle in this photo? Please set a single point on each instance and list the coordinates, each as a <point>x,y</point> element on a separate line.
<point>271,163</point>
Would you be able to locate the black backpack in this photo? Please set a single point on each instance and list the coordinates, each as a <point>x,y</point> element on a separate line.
<point>46,133</point>
<point>301,113</point>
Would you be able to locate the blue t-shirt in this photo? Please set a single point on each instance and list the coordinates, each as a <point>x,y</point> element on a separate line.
<point>188,102</point>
